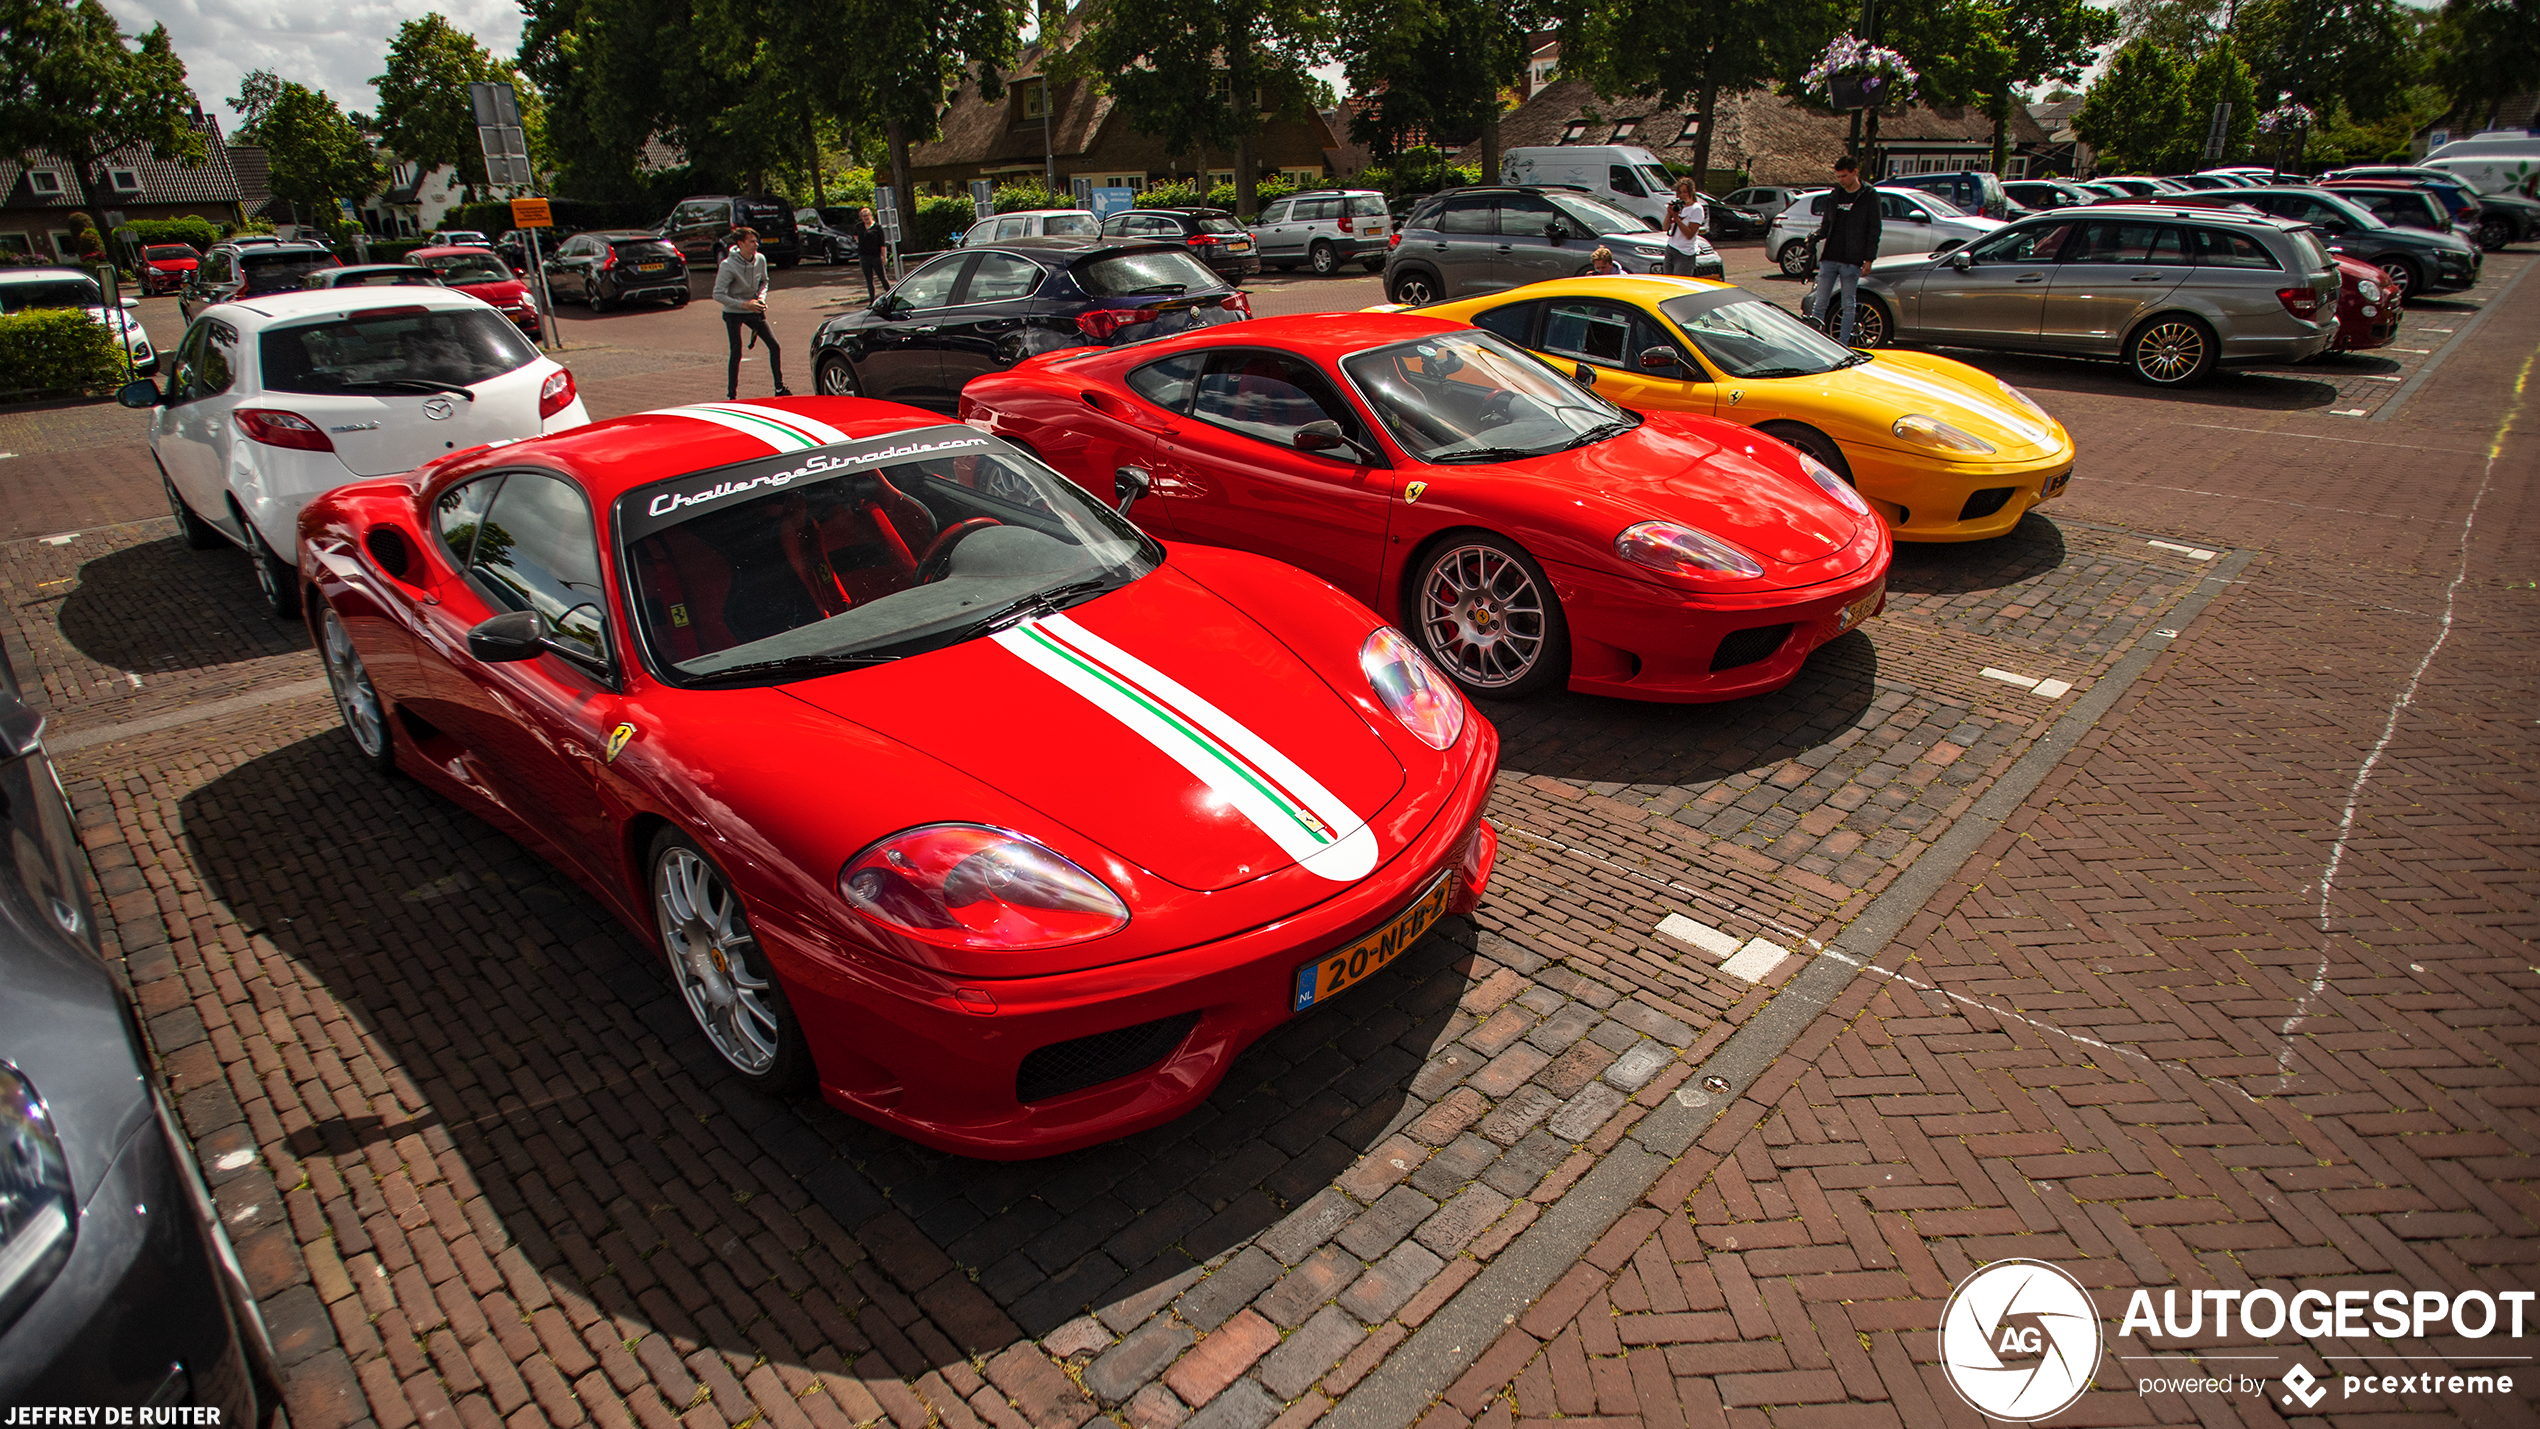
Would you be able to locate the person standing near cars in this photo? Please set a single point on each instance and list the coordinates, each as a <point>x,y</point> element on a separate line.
<point>740,286</point>
<point>1685,220</point>
<point>1847,239</point>
<point>868,250</point>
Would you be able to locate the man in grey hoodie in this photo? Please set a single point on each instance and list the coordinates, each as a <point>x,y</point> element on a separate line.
<point>740,285</point>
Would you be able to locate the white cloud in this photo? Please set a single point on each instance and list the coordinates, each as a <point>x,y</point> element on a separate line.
<point>334,45</point>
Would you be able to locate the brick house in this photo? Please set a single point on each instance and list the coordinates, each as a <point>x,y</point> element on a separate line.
<point>39,192</point>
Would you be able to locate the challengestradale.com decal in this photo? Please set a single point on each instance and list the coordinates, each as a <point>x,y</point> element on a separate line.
<point>817,464</point>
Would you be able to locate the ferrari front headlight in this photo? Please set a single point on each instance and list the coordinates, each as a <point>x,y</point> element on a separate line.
<point>1940,436</point>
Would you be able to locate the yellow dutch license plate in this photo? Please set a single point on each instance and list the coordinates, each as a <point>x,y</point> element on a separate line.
<point>650,267</point>
<point>1859,610</point>
<point>1317,981</point>
<point>2055,484</point>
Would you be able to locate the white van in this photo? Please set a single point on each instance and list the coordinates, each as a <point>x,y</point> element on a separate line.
<point>1624,175</point>
<point>2496,161</point>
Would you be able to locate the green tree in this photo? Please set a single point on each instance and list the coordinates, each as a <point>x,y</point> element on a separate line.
<point>2134,114</point>
<point>317,155</point>
<point>257,91</point>
<point>70,84</point>
<point>1434,67</point>
<point>2482,51</point>
<point>423,104</point>
<point>2183,27</point>
<point>1257,55</point>
<point>1685,52</point>
<point>2359,53</point>
<point>2217,77</point>
<point>2028,44</point>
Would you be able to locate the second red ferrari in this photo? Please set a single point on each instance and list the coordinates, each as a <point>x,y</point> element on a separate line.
<point>1526,532</point>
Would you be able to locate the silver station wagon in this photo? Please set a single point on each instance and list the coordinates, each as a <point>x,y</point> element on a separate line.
<point>2174,292</point>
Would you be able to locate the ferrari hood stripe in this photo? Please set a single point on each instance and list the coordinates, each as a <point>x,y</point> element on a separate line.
<point>1292,808</point>
<point>782,431</point>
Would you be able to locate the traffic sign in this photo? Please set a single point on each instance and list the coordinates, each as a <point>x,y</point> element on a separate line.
<point>506,145</point>
<point>886,206</point>
<point>983,199</point>
<point>531,213</point>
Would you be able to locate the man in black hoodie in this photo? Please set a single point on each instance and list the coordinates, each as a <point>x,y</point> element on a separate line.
<point>1847,239</point>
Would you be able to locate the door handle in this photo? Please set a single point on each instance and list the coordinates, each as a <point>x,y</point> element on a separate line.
<point>1506,248</point>
<point>999,325</point>
<point>2030,278</point>
<point>1439,247</point>
<point>2144,278</point>
<point>930,327</point>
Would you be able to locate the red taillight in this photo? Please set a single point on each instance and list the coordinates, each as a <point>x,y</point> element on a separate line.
<point>556,395</point>
<point>1101,324</point>
<point>1394,239</point>
<point>1346,225</point>
<point>1239,303</point>
<point>2300,302</point>
<point>1203,240</point>
<point>610,261</point>
<point>276,428</point>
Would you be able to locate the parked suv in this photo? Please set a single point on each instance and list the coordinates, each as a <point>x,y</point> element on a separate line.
<point>2495,218</point>
<point>701,228</point>
<point>1974,191</point>
<point>1324,228</point>
<point>617,266</point>
<point>1910,222</point>
<point>1464,242</point>
<point>828,234</point>
<point>2173,291</point>
<point>2416,261</point>
<point>247,270</point>
<point>1762,200</point>
<point>1212,235</point>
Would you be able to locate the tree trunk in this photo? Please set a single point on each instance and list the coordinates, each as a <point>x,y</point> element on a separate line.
<point>811,144</point>
<point>1998,109</point>
<point>1247,179</point>
<point>895,134</point>
<point>1490,143</point>
<point>1705,110</point>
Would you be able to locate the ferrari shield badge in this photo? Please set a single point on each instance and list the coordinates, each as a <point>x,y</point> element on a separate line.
<point>1737,396</point>
<point>1411,494</point>
<point>617,741</point>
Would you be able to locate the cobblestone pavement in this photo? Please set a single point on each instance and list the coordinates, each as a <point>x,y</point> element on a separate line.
<point>481,1169</point>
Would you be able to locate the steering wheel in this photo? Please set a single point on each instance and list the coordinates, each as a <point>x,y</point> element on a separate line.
<point>932,566</point>
<point>1498,408</point>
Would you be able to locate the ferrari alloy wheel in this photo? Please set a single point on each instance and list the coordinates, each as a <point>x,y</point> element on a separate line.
<point>2172,351</point>
<point>1796,260</point>
<point>835,378</point>
<point>1415,289</point>
<point>1326,261</point>
<point>200,535</point>
<point>1487,616</point>
<point>721,970</point>
<point>365,714</point>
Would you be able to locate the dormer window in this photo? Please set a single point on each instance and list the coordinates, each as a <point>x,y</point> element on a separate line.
<point>124,181</point>
<point>1574,132</point>
<point>1035,99</point>
<point>45,182</point>
<point>1623,131</point>
<point>1693,128</point>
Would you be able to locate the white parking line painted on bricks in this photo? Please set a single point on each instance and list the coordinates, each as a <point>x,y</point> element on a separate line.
<point>1700,935</point>
<point>2054,689</point>
<point>2351,412</point>
<point>61,540</point>
<point>1755,961</point>
<point>2025,682</point>
<point>2193,553</point>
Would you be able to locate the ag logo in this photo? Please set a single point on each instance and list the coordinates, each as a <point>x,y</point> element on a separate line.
<point>2304,1384</point>
<point>2019,1340</point>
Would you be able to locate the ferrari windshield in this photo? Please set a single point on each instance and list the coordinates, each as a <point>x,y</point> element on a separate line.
<point>1751,338</point>
<point>862,551</point>
<point>1467,396</point>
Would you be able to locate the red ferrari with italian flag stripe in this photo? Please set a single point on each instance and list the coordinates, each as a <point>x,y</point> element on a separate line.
<point>939,785</point>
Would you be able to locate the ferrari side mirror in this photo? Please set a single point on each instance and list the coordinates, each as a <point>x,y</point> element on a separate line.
<point>1584,375</point>
<point>1128,484</point>
<point>1660,359</point>
<point>1321,436</point>
<point>512,635</point>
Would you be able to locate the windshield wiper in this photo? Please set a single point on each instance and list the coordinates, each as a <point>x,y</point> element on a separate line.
<point>1612,428</point>
<point>1763,372</point>
<point>805,664</point>
<point>414,384</point>
<point>1046,602</point>
<point>1855,360</point>
<point>1482,454</point>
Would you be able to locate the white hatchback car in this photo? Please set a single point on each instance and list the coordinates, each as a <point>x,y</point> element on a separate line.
<point>1910,221</point>
<point>28,289</point>
<point>272,401</point>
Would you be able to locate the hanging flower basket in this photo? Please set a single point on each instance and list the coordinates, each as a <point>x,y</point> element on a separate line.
<point>1859,75</point>
<point>2286,118</point>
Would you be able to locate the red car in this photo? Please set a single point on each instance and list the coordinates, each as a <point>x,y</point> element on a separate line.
<point>941,786</point>
<point>482,273</point>
<point>166,266</point>
<point>1525,531</point>
<point>2367,308</point>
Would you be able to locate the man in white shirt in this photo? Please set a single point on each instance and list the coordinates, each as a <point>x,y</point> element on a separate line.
<point>1686,218</point>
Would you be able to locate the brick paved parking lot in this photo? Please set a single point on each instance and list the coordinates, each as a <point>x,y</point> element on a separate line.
<point>2197,955</point>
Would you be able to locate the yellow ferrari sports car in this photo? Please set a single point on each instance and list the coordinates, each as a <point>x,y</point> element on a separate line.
<point>1945,452</point>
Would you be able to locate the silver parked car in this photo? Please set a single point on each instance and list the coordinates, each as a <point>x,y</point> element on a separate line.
<point>2175,292</point>
<point>1465,242</point>
<point>1324,228</point>
<point>1909,222</point>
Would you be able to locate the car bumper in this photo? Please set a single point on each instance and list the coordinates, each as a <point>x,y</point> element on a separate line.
<point>945,1073</point>
<point>666,287</point>
<point>2452,272</point>
<point>1926,500</point>
<point>1236,265</point>
<point>1640,641</point>
<point>141,1315</point>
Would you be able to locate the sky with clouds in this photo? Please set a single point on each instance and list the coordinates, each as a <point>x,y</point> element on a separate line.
<point>334,45</point>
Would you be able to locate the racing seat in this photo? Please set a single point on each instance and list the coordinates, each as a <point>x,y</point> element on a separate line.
<point>689,587</point>
<point>851,542</point>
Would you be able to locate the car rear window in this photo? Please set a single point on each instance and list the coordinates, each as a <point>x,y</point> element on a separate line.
<point>270,272</point>
<point>640,244</point>
<point>1123,274</point>
<point>2307,242</point>
<point>2216,248</point>
<point>1065,225</point>
<point>1367,206</point>
<point>391,346</point>
<point>757,215</point>
<point>1216,225</point>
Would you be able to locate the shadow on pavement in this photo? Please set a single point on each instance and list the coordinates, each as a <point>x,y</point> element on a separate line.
<point>548,1052</point>
<point>160,606</point>
<point>2028,550</point>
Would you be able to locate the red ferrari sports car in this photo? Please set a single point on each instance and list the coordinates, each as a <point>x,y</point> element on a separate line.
<point>1525,531</point>
<point>939,783</point>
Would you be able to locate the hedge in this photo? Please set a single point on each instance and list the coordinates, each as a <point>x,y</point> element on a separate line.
<point>196,232</point>
<point>572,215</point>
<point>939,217</point>
<point>59,350</point>
<point>393,250</point>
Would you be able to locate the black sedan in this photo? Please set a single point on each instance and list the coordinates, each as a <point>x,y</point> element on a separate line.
<point>118,1289</point>
<point>1213,236</point>
<point>1724,220</point>
<point>829,233</point>
<point>617,266</point>
<point>978,310</point>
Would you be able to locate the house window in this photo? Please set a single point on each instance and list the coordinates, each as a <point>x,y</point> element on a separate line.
<point>1035,100</point>
<point>1574,132</point>
<point>1134,183</point>
<point>15,243</point>
<point>2019,166</point>
<point>1693,127</point>
<point>1226,177</point>
<point>1302,178</point>
<point>45,181</point>
<point>124,181</point>
<point>1623,131</point>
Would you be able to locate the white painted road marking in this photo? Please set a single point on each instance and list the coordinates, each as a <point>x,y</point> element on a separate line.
<point>1755,961</point>
<point>2193,553</point>
<point>1701,935</point>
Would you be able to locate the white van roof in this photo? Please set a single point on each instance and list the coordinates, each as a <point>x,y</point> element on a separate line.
<point>2496,141</point>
